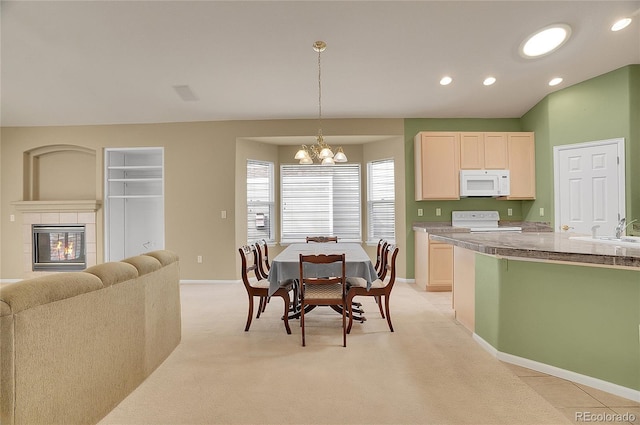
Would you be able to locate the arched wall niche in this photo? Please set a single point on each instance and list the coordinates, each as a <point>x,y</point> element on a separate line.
<point>59,172</point>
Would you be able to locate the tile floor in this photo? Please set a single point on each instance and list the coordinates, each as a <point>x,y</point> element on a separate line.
<point>580,403</point>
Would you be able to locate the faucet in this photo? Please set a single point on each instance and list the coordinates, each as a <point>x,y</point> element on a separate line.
<point>622,225</point>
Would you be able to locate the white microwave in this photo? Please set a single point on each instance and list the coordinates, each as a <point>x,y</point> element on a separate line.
<point>486,183</point>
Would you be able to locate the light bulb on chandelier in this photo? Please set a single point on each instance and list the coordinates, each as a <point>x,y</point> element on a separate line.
<point>320,150</point>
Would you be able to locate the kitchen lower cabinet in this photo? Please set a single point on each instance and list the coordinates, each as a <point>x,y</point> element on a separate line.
<point>433,263</point>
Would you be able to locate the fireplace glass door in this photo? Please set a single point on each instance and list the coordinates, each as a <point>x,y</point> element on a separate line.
<point>59,247</point>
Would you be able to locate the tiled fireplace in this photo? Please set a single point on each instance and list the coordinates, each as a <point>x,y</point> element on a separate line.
<point>72,213</point>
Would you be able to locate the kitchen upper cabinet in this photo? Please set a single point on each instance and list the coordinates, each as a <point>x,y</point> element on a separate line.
<point>495,151</point>
<point>439,157</point>
<point>483,151</point>
<point>522,165</point>
<point>437,165</point>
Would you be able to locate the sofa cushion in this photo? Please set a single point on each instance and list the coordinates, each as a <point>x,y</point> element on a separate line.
<point>165,257</point>
<point>112,273</point>
<point>47,289</point>
<point>144,263</point>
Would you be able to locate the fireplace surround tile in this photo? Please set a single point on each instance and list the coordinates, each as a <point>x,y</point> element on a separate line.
<point>62,217</point>
<point>50,218</point>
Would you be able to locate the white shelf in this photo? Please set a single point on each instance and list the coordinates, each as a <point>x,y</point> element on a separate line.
<point>132,179</point>
<point>135,167</point>
<point>134,201</point>
<point>133,196</point>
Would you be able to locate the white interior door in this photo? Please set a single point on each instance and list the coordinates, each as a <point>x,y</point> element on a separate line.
<point>589,186</point>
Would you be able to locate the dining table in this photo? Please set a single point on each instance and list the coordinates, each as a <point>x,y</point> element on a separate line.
<point>286,265</point>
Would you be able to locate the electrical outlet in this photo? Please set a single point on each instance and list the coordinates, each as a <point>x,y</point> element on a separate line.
<point>420,212</point>
<point>509,211</point>
<point>541,212</point>
<point>12,217</point>
<point>223,214</point>
<point>199,259</point>
<point>438,212</point>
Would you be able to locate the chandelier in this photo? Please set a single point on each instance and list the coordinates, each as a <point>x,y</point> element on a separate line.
<point>320,150</point>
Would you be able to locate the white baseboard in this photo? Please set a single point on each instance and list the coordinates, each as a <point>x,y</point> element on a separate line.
<point>578,378</point>
<point>10,280</point>
<point>206,281</point>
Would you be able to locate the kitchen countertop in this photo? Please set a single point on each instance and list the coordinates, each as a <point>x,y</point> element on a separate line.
<point>446,227</point>
<point>550,246</point>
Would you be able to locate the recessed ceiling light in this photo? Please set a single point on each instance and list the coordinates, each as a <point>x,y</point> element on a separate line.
<point>621,24</point>
<point>555,81</point>
<point>545,41</point>
<point>489,81</point>
<point>446,80</point>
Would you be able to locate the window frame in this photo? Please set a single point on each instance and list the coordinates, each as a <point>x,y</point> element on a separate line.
<point>374,234</point>
<point>262,204</point>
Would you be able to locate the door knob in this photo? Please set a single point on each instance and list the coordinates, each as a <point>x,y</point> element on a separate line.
<point>566,227</point>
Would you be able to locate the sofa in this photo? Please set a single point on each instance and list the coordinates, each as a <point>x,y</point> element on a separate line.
<point>75,344</point>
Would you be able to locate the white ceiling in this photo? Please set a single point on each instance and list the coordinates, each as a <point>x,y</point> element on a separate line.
<point>106,62</point>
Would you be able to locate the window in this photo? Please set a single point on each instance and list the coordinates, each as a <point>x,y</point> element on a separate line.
<point>320,200</point>
<point>381,201</point>
<point>260,203</point>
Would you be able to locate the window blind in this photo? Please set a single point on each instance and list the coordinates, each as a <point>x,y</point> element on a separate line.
<point>320,200</point>
<point>381,215</point>
<point>260,201</point>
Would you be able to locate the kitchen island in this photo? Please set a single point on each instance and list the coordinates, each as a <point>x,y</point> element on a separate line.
<point>562,306</point>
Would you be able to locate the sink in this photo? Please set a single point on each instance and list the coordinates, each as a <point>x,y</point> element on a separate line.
<point>626,241</point>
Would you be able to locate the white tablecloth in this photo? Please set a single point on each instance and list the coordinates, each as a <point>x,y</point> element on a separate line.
<point>286,265</point>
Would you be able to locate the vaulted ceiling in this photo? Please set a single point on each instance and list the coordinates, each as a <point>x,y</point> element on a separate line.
<point>107,62</point>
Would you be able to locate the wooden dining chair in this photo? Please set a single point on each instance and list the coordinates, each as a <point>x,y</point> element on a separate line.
<point>380,251</point>
<point>356,307</point>
<point>322,239</point>
<point>326,291</point>
<point>380,288</point>
<point>264,265</point>
<point>263,257</point>
<point>259,286</point>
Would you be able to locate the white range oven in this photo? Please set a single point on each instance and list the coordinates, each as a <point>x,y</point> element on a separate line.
<point>480,221</point>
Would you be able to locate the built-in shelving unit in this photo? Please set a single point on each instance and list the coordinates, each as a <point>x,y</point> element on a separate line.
<point>134,201</point>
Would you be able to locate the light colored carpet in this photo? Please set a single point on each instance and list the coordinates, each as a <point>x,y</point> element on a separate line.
<point>429,371</point>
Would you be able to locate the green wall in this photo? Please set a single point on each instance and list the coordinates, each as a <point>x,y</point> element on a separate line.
<point>605,107</point>
<point>577,318</point>
<point>633,148</point>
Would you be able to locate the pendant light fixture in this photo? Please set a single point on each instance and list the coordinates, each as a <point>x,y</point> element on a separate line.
<point>320,150</point>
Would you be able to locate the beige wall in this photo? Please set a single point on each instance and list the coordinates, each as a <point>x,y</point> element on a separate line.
<point>204,166</point>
